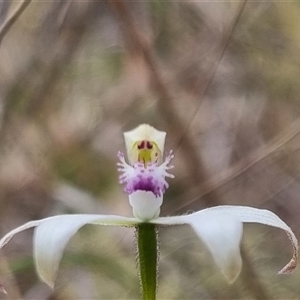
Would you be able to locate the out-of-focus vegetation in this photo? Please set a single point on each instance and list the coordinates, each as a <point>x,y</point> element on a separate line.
<point>222,78</point>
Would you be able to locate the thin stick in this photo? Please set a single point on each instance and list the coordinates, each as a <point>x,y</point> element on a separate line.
<point>213,72</point>
<point>13,18</point>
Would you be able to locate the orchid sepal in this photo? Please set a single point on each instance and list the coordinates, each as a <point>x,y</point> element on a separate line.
<point>52,234</point>
<point>242,214</point>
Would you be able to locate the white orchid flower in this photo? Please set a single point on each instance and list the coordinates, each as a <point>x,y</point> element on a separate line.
<point>220,228</point>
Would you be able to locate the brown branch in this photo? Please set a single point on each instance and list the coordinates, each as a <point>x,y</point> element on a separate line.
<point>13,18</point>
<point>4,7</point>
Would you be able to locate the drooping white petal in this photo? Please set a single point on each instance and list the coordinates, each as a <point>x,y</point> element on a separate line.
<point>222,235</point>
<point>145,205</point>
<point>52,235</point>
<point>253,215</point>
<point>243,214</point>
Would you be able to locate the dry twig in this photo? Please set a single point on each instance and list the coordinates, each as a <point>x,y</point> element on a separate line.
<point>13,18</point>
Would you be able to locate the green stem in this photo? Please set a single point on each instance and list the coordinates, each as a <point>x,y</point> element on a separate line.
<point>147,247</point>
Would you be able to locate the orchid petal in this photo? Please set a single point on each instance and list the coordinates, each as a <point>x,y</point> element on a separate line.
<point>243,214</point>
<point>52,235</point>
<point>254,215</point>
<point>222,235</point>
<point>146,206</point>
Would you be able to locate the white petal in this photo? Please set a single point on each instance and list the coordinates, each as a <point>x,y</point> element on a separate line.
<point>221,233</point>
<point>253,215</point>
<point>145,205</point>
<point>243,214</point>
<point>52,235</point>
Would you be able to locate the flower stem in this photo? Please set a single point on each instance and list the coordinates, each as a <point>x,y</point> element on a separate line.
<point>147,246</point>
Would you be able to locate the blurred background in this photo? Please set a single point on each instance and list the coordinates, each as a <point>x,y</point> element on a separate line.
<point>222,78</point>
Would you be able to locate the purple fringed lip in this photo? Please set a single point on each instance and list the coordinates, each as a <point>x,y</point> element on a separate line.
<point>140,178</point>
